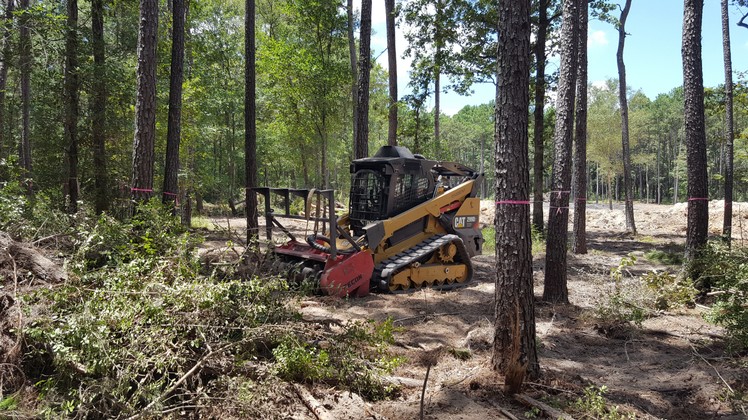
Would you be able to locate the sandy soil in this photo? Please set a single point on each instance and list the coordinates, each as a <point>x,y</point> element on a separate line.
<point>674,366</point>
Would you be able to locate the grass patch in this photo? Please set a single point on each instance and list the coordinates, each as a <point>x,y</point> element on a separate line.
<point>489,246</point>
<point>202,222</point>
<point>667,257</point>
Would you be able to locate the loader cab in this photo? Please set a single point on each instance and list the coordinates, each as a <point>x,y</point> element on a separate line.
<point>389,183</point>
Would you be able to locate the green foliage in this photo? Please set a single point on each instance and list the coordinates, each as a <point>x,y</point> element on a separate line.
<point>124,329</point>
<point>151,232</point>
<point>726,271</point>
<point>9,403</point>
<point>622,304</point>
<point>357,357</point>
<point>489,236</point>
<point>665,257</point>
<point>670,290</point>
<point>594,405</point>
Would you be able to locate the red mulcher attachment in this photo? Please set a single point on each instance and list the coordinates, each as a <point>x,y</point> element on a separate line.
<point>337,272</point>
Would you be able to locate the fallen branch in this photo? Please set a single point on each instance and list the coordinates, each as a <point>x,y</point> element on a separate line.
<point>32,260</point>
<point>179,382</point>
<point>312,404</point>
<point>503,411</point>
<point>547,409</point>
<point>426,316</point>
<point>406,382</point>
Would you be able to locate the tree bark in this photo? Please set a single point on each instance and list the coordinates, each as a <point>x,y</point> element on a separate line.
<point>623,100</point>
<point>389,6</point>
<point>250,122</point>
<point>693,87</point>
<point>579,244</point>
<point>71,104</point>
<point>145,107</point>
<point>555,288</point>
<point>173,131</point>
<point>362,135</point>
<point>354,71</point>
<point>98,111</point>
<point>539,113</point>
<point>7,27</point>
<point>514,351</point>
<point>24,150</point>
<point>729,124</point>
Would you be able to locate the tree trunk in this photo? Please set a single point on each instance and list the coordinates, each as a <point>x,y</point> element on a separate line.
<point>729,124</point>
<point>579,243</point>
<point>98,107</point>
<point>514,351</point>
<point>145,107</point>
<point>693,92</point>
<point>437,111</point>
<point>555,289</point>
<point>70,126</point>
<point>539,113</point>
<point>7,27</point>
<point>173,130</point>
<point>389,6</point>
<point>24,150</point>
<point>354,71</point>
<point>627,183</point>
<point>250,122</point>
<point>364,68</point>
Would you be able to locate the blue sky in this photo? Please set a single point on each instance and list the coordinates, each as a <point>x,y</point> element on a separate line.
<point>652,54</point>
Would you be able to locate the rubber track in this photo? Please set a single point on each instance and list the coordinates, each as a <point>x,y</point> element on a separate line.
<point>384,270</point>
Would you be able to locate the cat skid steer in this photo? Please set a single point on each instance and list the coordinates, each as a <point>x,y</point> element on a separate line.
<point>411,223</point>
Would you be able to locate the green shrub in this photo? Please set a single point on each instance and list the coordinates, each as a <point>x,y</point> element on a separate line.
<point>670,291</point>
<point>489,236</point>
<point>594,405</point>
<point>665,257</point>
<point>725,270</point>
<point>624,303</point>
<point>356,358</point>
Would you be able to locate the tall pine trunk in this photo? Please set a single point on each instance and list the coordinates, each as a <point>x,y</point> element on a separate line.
<point>729,124</point>
<point>389,6</point>
<point>555,287</point>
<point>70,125</point>
<point>98,107</point>
<point>250,122</point>
<point>173,130</point>
<point>623,100</point>
<point>354,71</point>
<point>514,350</point>
<point>24,149</point>
<point>4,62</point>
<point>539,113</point>
<point>579,244</point>
<point>145,106</point>
<point>364,68</point>
<point>693,93</point>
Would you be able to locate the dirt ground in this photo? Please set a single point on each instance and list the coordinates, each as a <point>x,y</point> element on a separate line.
<point>675,366</point>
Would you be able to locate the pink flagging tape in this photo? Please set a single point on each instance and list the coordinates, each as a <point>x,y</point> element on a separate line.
<point>141,189</point>
<point>171,194</point>
<point>518,202</point>
<point>698,199</point>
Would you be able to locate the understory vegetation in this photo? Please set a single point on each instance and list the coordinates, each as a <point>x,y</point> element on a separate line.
<point>141,326</point>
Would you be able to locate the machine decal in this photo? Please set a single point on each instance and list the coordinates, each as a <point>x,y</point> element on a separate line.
<point>463,222</point>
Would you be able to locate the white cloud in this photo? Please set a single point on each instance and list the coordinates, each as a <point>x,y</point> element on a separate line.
<point>597,39</point>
